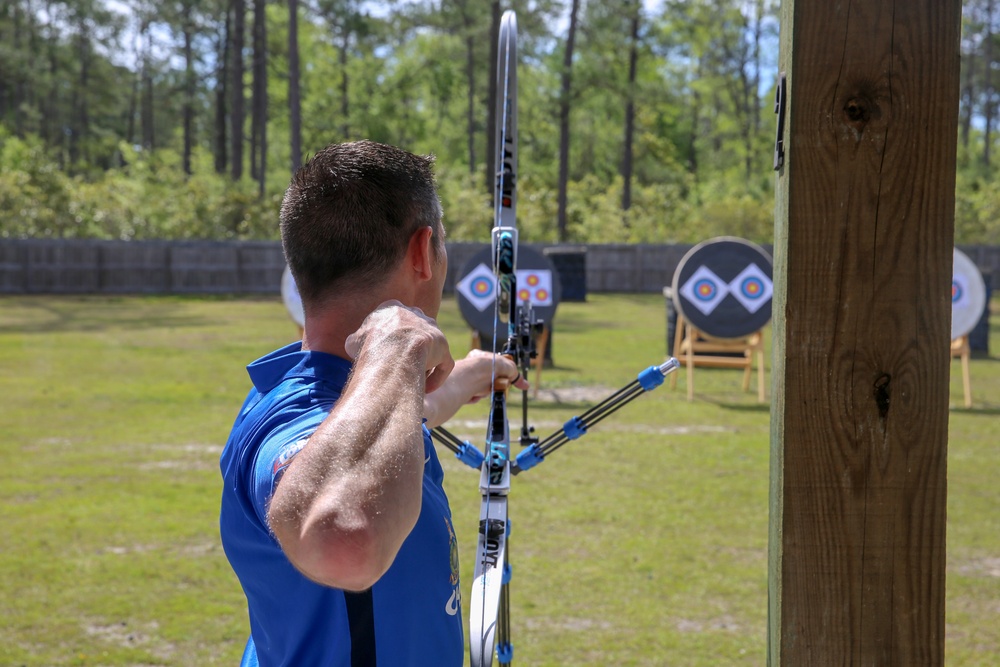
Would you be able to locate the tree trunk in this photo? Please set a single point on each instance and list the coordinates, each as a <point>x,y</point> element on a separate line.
<point>238,109</point>
<point>470,75</point>
<point>258,152</point>
<point>757,31</point>
<point>189,87</point>
<point>81,121</point>
<point>564,101</point>
<point>148,136</point>
<point>133,102</point>
<point>12,100</point>
<point>221,110</point>
<point>990,94</point>
<point>692,146</point>
<point>294,101</point>
<point>627,161</point>
<point>968,97</point>
<point>51,129</point>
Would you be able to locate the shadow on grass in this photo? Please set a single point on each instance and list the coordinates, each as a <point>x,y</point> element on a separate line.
<point>88,314</point>
<point>982,411</point>
<point>738,407</point>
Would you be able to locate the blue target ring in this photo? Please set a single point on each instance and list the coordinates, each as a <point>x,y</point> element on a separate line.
<point>956,291</point>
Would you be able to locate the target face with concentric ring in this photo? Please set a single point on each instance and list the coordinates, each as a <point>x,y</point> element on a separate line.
<point>968,295</point>
<point>724,286</point>
<point>292,300</point>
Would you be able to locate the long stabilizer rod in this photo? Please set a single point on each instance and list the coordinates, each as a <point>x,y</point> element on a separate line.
<point>577,427</point>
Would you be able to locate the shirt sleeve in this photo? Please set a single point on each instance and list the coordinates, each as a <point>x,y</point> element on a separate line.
<point>275,453</point>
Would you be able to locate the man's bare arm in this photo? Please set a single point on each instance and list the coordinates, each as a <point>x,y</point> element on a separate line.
<point>352,495</point>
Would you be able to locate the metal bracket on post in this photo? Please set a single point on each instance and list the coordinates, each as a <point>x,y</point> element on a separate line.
<point>779,108</point>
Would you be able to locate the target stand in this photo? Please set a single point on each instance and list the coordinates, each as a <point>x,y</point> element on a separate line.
<point>968,301</point>
<point>696,348</point>
<point>722,295</point>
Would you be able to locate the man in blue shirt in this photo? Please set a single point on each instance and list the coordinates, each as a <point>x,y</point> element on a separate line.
<point>333,515</point>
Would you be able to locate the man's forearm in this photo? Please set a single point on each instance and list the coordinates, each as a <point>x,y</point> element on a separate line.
<point>352,495</point>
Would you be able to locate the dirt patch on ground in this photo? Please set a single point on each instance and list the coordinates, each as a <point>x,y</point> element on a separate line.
<point>128,634</point>
<point>988,566</point>
<point>721,624</point>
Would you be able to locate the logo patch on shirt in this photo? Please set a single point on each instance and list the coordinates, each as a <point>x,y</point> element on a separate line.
<point>454,604</point>
<point>285,457</point>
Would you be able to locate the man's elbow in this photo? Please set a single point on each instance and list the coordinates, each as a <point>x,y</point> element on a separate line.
<point>351,558</point>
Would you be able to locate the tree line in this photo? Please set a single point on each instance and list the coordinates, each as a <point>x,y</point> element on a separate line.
<point>639,121</point>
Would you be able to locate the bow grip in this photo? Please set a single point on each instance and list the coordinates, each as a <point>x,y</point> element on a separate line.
<point>503,384</point>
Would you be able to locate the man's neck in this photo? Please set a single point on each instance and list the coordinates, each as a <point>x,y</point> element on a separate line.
<point>328,326</point>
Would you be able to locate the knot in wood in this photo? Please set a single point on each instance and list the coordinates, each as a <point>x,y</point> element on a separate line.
<point>858,110</point>
<point>881,393</point>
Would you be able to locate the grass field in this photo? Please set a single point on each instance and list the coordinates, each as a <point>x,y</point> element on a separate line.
<point>645,543</point>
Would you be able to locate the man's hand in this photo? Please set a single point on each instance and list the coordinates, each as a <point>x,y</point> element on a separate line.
<point>392,323</point>
<point>473,378</point>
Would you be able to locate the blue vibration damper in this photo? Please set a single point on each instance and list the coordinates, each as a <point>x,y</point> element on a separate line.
<point>575,427</point>
<point>653,377</point>
<point>529,458</point>
<point>508,573</point>
<point>470,456</point>
<point>505,653</point>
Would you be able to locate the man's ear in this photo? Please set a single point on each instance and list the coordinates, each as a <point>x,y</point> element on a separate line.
<point>420,253</point>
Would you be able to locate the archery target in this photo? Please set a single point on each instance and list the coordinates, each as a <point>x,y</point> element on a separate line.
<point>968,295</point>
<point>537,282</point>
<point>704,290</point>
<point>724,287</point>
<point>534,285</point>
<point>752,288</point>
<point>290,296</point>
<point>478,287</point>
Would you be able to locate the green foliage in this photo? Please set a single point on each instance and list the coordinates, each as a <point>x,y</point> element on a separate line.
<point>148,198</point>
<point>73,116</point>
<point>977,208</point>
<point>34,191</point>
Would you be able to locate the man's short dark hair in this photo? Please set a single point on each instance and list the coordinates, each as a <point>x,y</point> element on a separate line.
<point>349,212</point>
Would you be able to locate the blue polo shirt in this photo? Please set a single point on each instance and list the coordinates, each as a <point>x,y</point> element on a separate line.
<point>410,617</point>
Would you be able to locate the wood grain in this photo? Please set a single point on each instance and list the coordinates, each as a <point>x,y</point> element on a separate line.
<point>863,251</point>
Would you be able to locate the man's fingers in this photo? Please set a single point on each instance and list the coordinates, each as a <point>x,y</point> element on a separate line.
<point>437,375</point>
<point>521,382</point>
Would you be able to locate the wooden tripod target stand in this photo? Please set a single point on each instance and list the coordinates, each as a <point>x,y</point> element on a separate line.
<point>968,305</point>
<point>960,348</point>
<point>696,348</point>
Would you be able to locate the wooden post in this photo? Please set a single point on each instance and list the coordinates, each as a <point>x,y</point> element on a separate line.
<point>862,306</point>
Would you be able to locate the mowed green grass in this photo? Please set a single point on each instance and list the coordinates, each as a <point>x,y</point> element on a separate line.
<point>644,543</point>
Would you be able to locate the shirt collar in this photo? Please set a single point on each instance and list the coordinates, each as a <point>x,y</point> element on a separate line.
<point>291,360</point>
